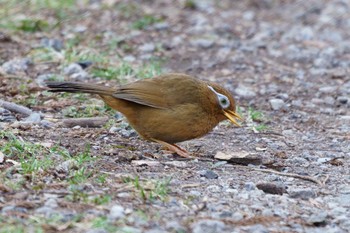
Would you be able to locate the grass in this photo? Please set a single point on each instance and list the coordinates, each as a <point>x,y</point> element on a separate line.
<point>32,157</point>
<point>31,12</point>
<point>145,21</point>
<point>150,189</point>
<point>257,118</point>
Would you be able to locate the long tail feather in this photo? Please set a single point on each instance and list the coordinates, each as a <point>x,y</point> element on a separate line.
<point>75,87</point>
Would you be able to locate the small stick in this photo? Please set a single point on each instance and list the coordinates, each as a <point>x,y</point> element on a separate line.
<point>15,107</point>
<point>93,122</point>
<point>309,178</point>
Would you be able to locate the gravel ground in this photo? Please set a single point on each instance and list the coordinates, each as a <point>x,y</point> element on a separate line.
<point>287,63</point>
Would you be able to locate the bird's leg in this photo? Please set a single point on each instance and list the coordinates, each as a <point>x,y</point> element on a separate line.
<point>174,148</point>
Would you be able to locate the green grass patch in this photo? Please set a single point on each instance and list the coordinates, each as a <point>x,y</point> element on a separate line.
<point>145,21</point>
<point>150,189</point>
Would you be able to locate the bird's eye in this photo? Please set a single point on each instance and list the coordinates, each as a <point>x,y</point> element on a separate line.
<point>223,100</point>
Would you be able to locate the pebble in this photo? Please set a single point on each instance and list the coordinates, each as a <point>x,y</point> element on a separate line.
<point>257,228</point>
<point>129,229</point>
<point>213,226</point>
<point>342,100</point>
<point>214,188</point>
<point>304,194</point>
<point>161,26</point>
<point>16,66</point>
<point>33,118</point>
<point>209,174</point>
<point>97,230</point>
<point>56,44</point>
<point>276,104</point>
<point>85,64</point>
<point>155,230</point>
<point>318,219</point>
<point>13,208</point>
<point>116,212</point>
<point>203,43</point>
<point>147,48</point>
<point>174,226</point>
<point>249,186</point>
<point>47,124</point>
<point>45,77</point>
<point>129,58</point>
<point>327,89</point>
<point>271,188</point>
<point>67,165</point>
<point>6,116</point>
<point>245,92</point>
<point>75,71</point>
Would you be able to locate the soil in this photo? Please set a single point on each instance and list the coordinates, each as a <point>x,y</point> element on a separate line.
<point>287,64</point>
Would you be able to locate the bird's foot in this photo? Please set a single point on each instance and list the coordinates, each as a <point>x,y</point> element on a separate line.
<point>174,148</point>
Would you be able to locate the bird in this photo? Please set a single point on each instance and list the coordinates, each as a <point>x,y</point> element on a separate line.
<point>166,109</point>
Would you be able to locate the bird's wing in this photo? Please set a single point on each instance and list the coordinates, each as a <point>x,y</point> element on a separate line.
<point>145,92</point>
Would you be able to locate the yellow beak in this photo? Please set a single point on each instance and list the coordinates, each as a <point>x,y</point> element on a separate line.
<point>232,116</point>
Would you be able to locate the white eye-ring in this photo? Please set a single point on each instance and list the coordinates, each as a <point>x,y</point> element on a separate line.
<point>223,100</point>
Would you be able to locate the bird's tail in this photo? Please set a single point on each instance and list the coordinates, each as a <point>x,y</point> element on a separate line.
<point>75,87</point>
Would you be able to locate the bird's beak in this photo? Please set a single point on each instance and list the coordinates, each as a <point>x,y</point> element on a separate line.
<point>232,116</point>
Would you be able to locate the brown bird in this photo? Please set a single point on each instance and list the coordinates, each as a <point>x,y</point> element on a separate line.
<point>166,109</point>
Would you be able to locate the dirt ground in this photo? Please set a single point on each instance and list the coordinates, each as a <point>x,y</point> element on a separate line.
<point>285,61</point>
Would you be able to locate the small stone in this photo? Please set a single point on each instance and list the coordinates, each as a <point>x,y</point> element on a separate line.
<point>257,228</point>
<point>283,96</point>
<point>249,186</point>
<point>304,194</point>
<point>195,193</point>
<point>73,68</point>
<point>45,77</point>
<point>2,157</point>
<point>276,104</point>
<point>13,208</point>
<point>16,66</point>
<point>344,119</point>
<point>329,100</point>
<point>271,188</point>
<point>328,89</point>
<point>116,212</point>
<point>147,48</point>
<point>129,58</point>
<point>51,202</point>
<point>209,174</point>
<point>129,229</point>
<point>214,188</point>
<point>318,219</point>
<point>155,230</point>
<point>344,189</point>
<point>56,44</point>
<point>47,124</point>
<point>174,226</point>
<point>33,118</point>
<point>245,92</point>
<point>85,64</point>
<point>161,26</point>
<point>67,165</point>
<point>113,129</point>
<point>208,226</point>
<point>239,157</point>
<point>323,160</point>
<point>97,230</point>
<point>203,43</point>
<point>343,200</point>
<point>342,99</point>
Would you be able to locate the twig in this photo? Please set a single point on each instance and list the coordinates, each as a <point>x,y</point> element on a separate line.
<point>309,178</point>
<point>15,107</point>
<point>85,122</point>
